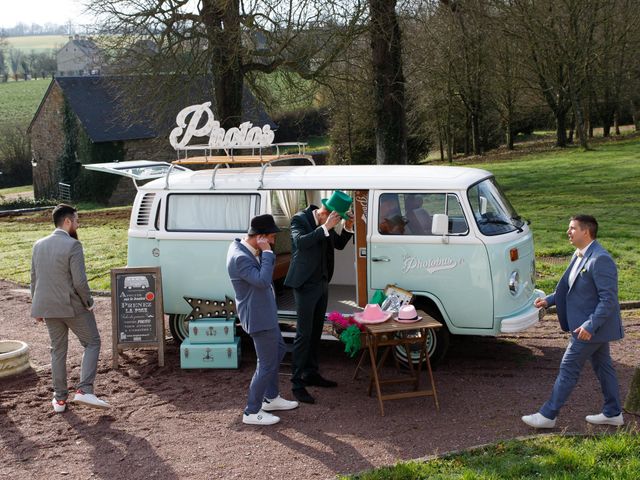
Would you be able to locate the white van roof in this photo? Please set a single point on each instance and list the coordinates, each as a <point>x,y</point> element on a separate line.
<point>343,177</point>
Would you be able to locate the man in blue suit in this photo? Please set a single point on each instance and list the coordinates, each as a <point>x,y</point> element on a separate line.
<point>586,299</point>
<point>250,264</point>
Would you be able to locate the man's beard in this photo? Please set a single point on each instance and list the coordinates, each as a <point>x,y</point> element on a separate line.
<point>73,234</point>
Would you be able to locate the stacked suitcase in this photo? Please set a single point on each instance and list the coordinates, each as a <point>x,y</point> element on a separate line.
<point>212,343</point>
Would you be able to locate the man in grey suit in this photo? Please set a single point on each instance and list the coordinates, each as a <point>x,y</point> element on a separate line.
<point>62,299</point>
<point>586,300</point>
<point>313,240</point>
<point>250,264</point>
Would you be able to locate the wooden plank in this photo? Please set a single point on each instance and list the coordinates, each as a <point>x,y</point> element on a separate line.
<point>231,159</point>
<point>360,225</point>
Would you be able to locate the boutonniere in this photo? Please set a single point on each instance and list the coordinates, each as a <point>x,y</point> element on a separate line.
<point>584,270</point>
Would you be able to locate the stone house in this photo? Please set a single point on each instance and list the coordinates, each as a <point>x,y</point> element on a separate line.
<point>100,133</point>
<point>79,56</point>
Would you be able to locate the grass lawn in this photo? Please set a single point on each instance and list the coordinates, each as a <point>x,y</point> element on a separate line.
<point>549,457</point>
<point>103,234</point>
<point>548,188</point>
<point>12,190</point>
<point>20,100</point>
<point>39,43</point>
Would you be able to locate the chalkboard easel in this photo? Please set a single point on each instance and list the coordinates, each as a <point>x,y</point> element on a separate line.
<point>136,307</point>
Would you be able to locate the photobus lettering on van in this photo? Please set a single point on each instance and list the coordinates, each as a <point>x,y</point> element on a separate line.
<point>458,244</point>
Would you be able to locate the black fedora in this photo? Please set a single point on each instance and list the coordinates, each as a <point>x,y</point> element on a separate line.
<point>263,225</point>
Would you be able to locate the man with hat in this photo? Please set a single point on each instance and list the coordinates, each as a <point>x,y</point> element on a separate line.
<point>250,264</point>
<point>313,240</point>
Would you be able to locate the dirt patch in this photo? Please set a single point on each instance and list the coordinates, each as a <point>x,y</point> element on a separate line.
<point>172,423</point>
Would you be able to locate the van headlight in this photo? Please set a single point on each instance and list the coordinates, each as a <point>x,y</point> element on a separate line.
<point>514,283</point>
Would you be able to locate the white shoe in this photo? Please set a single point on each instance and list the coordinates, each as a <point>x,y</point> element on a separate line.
<point>260,418</point>
<point>90,400</point>
<point>278,403</point>
<point>601,419</point>
<point>537,420</point>
<point>59,406</point>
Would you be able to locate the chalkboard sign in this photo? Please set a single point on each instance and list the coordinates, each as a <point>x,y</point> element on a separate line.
<point>136,305</point>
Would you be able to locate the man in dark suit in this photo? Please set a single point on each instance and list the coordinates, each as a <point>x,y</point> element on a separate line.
<point>313,240</point>
<point>586,300</point>
<point>250,264</point>
<point>60,297</point>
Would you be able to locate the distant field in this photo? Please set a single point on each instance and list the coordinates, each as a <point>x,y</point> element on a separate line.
<point>20,100</point>
<point>39,43</point>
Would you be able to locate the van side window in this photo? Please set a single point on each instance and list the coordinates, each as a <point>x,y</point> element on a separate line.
<point>210,212</point>
<point>412,213</point>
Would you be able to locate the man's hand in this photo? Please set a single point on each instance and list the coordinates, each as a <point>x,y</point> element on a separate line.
<point>583,334</point>
<point>540,303</point>
<point>332,220</point>
<point>92,307</point>
<point>348,224</point>
<point>263,243</point>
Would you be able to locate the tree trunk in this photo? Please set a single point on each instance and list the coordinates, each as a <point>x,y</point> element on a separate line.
<point>475,134</point>
<point>561,128</point>
<point>616,123</point>
<point>222,19</point>
<point>389,84</point>
<point>632,403</point>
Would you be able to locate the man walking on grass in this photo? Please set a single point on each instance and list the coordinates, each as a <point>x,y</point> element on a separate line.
<point>61,298</point>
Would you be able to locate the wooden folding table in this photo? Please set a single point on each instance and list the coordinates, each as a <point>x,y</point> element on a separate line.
<point>391,334</point>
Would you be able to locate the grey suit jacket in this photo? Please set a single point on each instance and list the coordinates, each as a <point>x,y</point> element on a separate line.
<point>59,287</point>
<point>255,299</point>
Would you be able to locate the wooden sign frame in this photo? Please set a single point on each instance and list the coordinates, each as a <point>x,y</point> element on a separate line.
<point>137,273</point>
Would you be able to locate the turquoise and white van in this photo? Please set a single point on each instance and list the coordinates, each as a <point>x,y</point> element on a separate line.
<point>460,247</point>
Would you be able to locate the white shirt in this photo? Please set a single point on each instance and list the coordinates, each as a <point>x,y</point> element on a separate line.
<point>574,270</point>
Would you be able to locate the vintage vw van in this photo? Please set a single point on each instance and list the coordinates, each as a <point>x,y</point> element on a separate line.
<point>447,234</point>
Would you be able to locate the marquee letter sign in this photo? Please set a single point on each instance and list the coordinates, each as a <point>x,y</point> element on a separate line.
<point>244,136</point>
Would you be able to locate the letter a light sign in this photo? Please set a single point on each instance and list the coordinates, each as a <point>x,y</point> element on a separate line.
<point>198,121</point>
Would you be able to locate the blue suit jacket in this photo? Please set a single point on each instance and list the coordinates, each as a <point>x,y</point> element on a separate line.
<point>592,300</point>
<point>255,299</point>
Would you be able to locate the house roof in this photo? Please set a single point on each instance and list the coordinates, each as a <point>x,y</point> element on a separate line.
<point>103,109</point>
<point>85,45</point>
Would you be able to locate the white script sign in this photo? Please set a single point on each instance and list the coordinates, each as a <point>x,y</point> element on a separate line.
<point>244,136</point>
<point>430,265</point>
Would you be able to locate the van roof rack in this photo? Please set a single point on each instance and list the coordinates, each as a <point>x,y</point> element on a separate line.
<point>230,158</point>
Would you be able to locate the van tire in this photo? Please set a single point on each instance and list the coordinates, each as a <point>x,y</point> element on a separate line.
<point>179,327</point>
<point>437,341</point>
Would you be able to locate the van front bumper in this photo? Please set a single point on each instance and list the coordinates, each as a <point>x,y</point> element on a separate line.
<point>525,318</point>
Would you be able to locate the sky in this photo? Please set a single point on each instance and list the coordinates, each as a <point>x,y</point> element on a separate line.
<point>40,11</point>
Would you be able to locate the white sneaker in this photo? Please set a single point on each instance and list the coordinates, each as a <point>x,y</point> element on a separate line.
<point>537,420</point>
<point>278,403</point>
<point>260,418</point>
<point>90,400</point>
<point>601,419</point>
<point>59,406</point>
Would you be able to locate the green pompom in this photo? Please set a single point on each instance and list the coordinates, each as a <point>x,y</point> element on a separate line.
<point>351,339</point>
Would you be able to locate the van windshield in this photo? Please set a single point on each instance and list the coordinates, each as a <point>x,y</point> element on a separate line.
<point>492,211</point>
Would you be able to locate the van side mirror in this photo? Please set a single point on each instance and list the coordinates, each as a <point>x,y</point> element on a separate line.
<point>483,205</point>
<point>440,224</point>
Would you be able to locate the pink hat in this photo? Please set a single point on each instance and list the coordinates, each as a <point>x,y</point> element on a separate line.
<point>408,314</point>
<point>372,314</point>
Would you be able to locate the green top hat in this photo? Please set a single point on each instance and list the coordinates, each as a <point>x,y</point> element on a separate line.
<point>339,202</point>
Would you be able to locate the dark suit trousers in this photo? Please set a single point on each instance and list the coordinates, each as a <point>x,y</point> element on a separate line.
<point>574,358</point>
<point>311,303</point>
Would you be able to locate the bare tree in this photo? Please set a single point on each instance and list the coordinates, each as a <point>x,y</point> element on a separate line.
<point>231,40</point>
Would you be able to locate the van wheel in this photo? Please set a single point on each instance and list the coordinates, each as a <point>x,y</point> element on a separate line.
<point>179,326</point>
<point>437,342</point>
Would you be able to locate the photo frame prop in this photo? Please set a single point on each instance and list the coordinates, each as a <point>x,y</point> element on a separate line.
<point>396,298</point>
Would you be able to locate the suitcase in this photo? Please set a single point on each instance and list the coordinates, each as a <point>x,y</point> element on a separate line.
<point>210,355</point>
<point>211,331</point>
